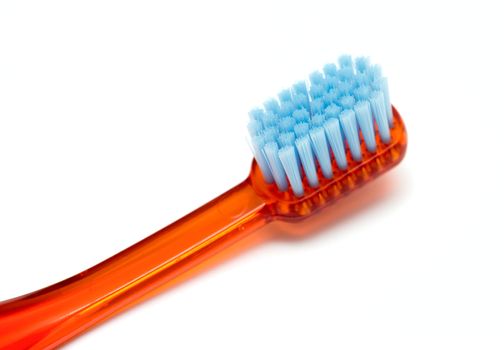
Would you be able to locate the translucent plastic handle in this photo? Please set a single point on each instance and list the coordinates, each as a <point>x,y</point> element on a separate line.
<point>53,315</point>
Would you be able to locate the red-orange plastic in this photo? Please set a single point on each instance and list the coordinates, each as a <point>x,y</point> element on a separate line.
<point>53,315</point>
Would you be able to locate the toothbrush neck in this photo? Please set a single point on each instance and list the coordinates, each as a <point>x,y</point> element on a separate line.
<point>53,315</point>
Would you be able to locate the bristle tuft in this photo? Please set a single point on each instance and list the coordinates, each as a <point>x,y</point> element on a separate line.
<point>330,70</point>
<point>286,139</point>
<point>317,106</point>
<point>305,152</point>
<point>272,106</point>
<point>332,111</point>
<point>270,134</point>
<point>257,150</point>
<point>285,95</point>
<point>346,61</point>
<point>380,115</point>
<point>301,115</point>
<point>300,88</point>
<point>362,64</point>
<point>256,114</point>
<point>334,137</point>
<point>254,127</point>
<point>301,129</point>
<point>316,91</point>
<point>277,170</point>
<point>316,78</point>
<point>286,124</point>
<point>289,161</point>
<point>321,150</point>
<point>317,120</point>
<point>347,102</point>
<point>346,74</point>
<point>365,120</point>
<point>349,125</point>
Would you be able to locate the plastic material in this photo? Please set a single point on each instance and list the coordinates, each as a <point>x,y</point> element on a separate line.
<point>51,316</point>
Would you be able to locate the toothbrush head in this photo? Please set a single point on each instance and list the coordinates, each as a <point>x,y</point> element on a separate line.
<point>322,138</point>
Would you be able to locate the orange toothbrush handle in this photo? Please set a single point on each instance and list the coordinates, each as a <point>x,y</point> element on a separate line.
<point>51,316</point>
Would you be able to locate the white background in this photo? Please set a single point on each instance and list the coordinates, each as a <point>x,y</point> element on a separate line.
<point>118,117</point>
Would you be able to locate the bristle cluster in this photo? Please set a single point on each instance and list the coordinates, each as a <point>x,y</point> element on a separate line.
<point>313,123</point>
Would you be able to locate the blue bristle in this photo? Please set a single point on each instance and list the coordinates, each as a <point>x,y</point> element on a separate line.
<point>272,105</point>
<point>380,115</point>
<point>301,101</point>
<point>347,102</point>
<point>375,85</point>
<point>316,78</point>
<point>270,134</point>
<point>257,114</point>
<point>286,109</point>
<point>362,64</point>
<point>286,139</point>
<point>286,124</point>
<point>346,74</point>
<point>365,120</point>
<point>321,150</point>
<point>384,88</point>
<point>374,73</point>
<point>346,61</point>
<point>330,97</point>
<point>317,120</point>
<point>330,70</point>
<point>301,115</point>
<point>254,127</point>
<point>316,91</point>
<point>307,128</point>
<point>349,126</point>
<point>332,111</point>
<point>335,139</point>
<point>345,87</point>
<point>361,79</point>
<point>290,163</point>
<point>257,149</point>
<point>301,129</point>
<point>277,170</point>
<point>269,119</point>
<point>285,95</point>
<point>303,145</point>
<point>300,88</point>
<point>327,99</point>
<point>332,82</point>
<point>317,106</point>
<point>362,92</point>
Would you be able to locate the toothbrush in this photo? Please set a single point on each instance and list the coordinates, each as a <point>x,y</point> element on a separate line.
<point>315,143</point>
